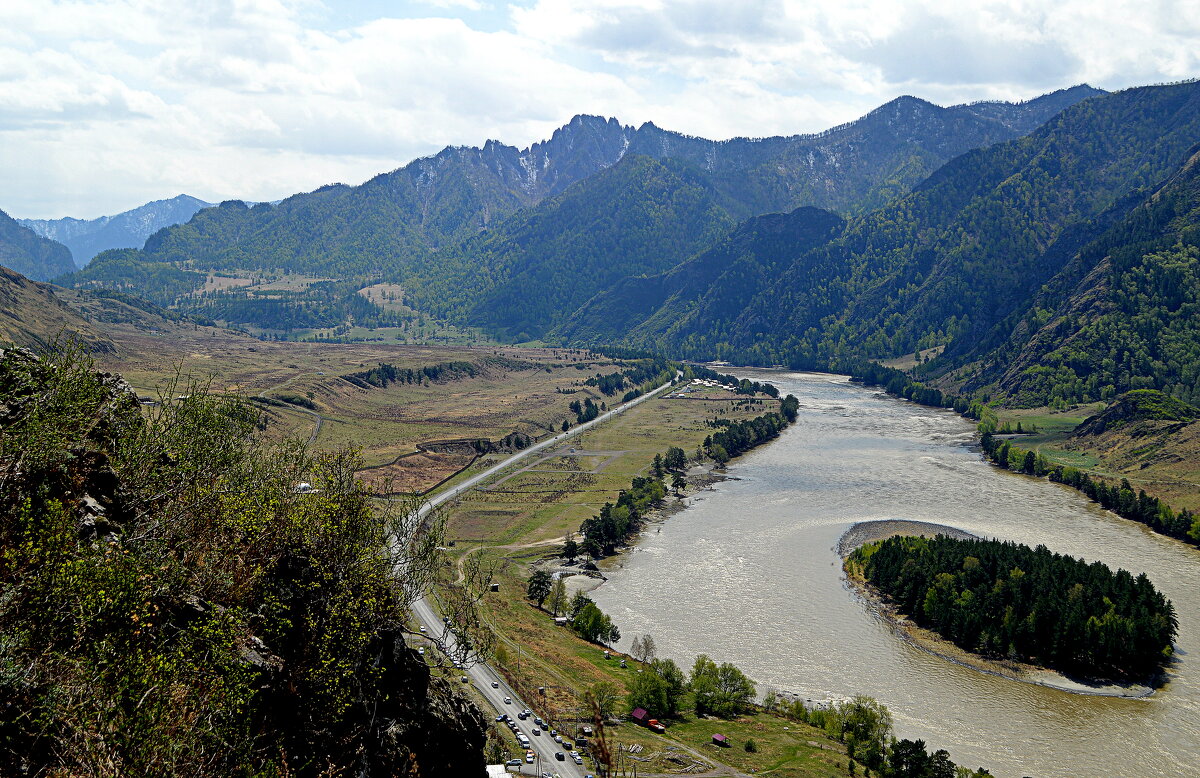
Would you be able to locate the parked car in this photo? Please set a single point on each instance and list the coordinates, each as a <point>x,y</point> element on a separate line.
<point>578,759</point>
<point>465,679</point>
<point>513,763</point>
<point>529,757</point>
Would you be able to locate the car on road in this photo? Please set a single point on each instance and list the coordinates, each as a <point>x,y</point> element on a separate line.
<point>495,685</point>
<point>558,738</point>
<point>529,757</point>
<point>536,731</point>
<point>578,759</point>
<point>560,756</point>
<point>508,700</point>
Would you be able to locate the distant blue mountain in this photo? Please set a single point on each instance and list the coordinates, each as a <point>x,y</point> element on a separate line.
<point>88,237</point>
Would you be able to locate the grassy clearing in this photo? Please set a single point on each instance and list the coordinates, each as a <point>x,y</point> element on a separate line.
<point>1165,463</point>
<point>535,506</point>
<point>784,748</point>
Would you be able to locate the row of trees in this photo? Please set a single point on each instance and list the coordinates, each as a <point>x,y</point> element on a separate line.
<point>645,373</point>
<point>717,690</point>
<point>737,437</point>
<point>1011,601</point>
<point>605,531</point>
<point>585,616</point>
<point>1120,499</point>
<point>387,373</point>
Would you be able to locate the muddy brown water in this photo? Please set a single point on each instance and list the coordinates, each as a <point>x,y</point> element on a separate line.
<point>749,573</point>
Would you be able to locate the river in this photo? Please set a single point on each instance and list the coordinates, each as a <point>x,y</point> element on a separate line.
<point>747,573</point>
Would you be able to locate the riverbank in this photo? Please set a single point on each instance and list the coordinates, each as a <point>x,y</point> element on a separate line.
<point>932,643</point>
<point>700,477</point>
<point>868,531</point>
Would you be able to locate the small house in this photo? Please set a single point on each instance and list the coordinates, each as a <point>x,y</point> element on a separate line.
<point>640,716</point>
<point>720,740</point>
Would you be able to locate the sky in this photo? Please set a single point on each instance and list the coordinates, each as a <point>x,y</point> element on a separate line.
<point>107,104</point>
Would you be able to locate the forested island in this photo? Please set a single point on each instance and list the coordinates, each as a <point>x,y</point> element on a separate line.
<point>1009,601</point>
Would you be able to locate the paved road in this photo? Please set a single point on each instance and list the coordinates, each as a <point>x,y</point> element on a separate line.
<point>483,676</point>
<point>475,480</point>
<point>480,674</point>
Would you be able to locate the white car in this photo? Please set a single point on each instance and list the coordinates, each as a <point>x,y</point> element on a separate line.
<point>508,700</point>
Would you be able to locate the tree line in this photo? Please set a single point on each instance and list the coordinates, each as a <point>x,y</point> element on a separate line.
<point>737,437</point>
<point>1120,499</point>
<point>1007,600</point>
<point>1154,513</point>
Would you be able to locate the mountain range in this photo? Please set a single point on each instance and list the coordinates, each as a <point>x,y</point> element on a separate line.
<point>430,225</point>
<point>88,237</point>
<point>978,258</point>
<point>1047,248</point>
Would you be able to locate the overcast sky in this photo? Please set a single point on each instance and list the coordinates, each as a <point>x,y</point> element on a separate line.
<point>106,105</point>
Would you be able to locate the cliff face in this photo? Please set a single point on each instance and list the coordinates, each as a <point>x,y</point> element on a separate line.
<point>172,607</point>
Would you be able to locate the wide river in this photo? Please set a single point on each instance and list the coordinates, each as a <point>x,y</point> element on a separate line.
<point>747,573</point>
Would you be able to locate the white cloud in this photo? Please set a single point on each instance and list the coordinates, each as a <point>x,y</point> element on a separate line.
<point>108,103</point>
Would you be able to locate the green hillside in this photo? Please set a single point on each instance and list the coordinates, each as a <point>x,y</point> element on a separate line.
<point>29,254</point>
<point>639,216</point>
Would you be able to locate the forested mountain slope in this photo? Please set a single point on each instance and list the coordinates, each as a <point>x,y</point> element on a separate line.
<point>857,166</point>
<point>1124,314</point>
<point>968,249</point>
<point>519,280</point>
<point>29,254</point>
<point>708,290</point>
<point>129,229</point>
